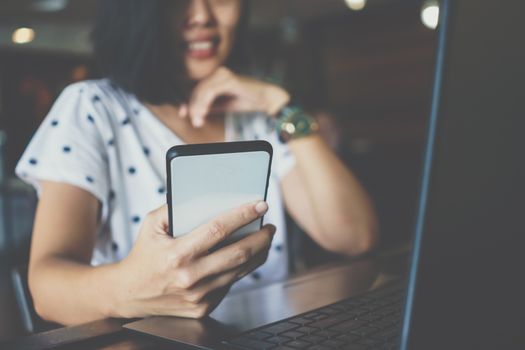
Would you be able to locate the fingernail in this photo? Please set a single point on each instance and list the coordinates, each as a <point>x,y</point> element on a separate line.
<point>261,207</point>
<point>198,122</point>
<point>183,110</point>
<point>273,229</point>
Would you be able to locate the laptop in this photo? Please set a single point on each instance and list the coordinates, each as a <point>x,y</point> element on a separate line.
<point>465,284</point>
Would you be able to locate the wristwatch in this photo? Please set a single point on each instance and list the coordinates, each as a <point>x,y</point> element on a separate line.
<point>293,123</point>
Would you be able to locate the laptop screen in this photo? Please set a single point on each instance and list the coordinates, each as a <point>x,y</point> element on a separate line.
<point>466,289</point>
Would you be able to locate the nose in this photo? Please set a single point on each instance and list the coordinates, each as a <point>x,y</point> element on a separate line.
<point>199,13</point>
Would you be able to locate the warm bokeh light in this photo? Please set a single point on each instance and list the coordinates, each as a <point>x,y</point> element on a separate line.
<point>356,5</point>
<point>430,14</point>
<point>23,35</point>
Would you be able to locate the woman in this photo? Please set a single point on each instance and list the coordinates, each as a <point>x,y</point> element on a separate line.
<point>99,248</point>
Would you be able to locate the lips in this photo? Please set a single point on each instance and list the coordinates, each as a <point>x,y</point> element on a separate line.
<point>202,48</point>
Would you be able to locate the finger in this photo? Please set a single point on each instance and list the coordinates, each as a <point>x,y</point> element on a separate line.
<point>234,255</point>
<point>183,111</point>
<point>201,290</point>
<point>208,235</point>
<point>158,219</point>
<point>206,92</point>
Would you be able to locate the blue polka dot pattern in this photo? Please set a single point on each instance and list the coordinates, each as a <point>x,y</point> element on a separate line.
<point>54,122</point>
<point>135,219</point>
<point>125,121</point>
<point>146,151</point>
<point>111,195</point>
<point>161,190</point>
<point>111,142</point>
<point>96,98</point>
<point>114,246</point>
<point>66,149</point>
<point>90,179</point>
<point>132,170</point>
<point>136,111</point>
<point>90,118</point>
<point>256,275</point>
<point>278,247</point>
<point>33,161</point>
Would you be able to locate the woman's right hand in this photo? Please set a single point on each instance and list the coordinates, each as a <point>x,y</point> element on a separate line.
<point>163,275</point>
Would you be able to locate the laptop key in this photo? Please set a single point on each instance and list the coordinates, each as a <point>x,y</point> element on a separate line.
<point>387,333</point>
<point>332,311</point>
<point>312,338</point>
<point>319,347</point>
<point>355,347</point>
<point>370,317</point>
<point>326,323</point>
<point>251,343</point>
<point>348,325</point>
<point>333,343</point>
<point>280,327</point>
<point>319,317</point>
<point>348,338</point>
<point>259,335</point>
<point>306,329</point>
<point>278,339</point>
<point>370,342</point>
<point>299,344</point>
<point>381,324</point>
<point>292,334</point>
<point>364,331</point>
<point>327,333</point>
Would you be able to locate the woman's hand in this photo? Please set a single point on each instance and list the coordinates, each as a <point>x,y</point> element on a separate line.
<point>163,275</point>
<point>225,91</point>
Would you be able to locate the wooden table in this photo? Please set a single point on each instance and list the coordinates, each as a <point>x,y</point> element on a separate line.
<point>362,274</point>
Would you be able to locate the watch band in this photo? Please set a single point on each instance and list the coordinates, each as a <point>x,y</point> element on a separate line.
<point>293,123</point>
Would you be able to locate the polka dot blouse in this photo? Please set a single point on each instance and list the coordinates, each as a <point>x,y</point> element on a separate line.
<point>105,141</point>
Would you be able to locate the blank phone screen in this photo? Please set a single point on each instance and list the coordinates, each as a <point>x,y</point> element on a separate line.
<point>205,186</point>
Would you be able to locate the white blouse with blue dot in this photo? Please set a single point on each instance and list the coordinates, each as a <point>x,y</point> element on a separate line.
<point>105,141</point>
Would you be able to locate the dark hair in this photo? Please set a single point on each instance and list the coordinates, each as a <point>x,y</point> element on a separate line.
<point>133,42</point>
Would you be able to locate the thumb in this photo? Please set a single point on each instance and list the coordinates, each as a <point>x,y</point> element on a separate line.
<point>159,220</point>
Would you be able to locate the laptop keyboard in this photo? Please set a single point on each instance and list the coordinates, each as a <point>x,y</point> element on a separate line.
<point>369,321</point>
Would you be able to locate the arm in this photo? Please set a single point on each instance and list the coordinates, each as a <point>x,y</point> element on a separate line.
<point>65,288</point>
<point>327,201</point>
<point>160,276</point>
<point>320,193</point>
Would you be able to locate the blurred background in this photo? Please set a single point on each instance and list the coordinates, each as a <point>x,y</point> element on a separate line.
<point>363,67</point>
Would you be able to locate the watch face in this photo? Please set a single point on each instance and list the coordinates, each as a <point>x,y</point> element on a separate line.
<point>294,123</point>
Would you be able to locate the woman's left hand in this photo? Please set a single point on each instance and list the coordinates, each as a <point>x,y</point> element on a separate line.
<point>225,91</point>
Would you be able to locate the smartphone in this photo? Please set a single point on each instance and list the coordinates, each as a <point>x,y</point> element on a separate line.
<point>206,180</point>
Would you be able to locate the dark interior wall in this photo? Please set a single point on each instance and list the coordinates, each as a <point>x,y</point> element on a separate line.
<point>370,71</point>
<point>29,83</point>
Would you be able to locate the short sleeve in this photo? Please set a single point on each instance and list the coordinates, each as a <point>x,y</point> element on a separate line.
<point>283,158</point>
<point>68,146</point>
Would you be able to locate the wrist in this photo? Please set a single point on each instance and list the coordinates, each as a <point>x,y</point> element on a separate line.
<point>112,277</point>
<point>293,123</point>
<point>278,98</point>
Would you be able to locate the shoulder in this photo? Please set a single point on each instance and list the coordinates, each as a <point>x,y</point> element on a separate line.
<point>96,90</point>
<point>95,99</point>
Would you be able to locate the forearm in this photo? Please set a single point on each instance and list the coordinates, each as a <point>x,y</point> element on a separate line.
<point>346,220</point>
<point>69,292</point>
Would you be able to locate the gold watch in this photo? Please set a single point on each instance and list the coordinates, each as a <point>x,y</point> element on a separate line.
<point>293,123</point>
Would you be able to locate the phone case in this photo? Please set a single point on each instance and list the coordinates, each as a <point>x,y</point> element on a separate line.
<point>212,178</point>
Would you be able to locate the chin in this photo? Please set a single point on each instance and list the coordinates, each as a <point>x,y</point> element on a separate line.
<point>202,70</point>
